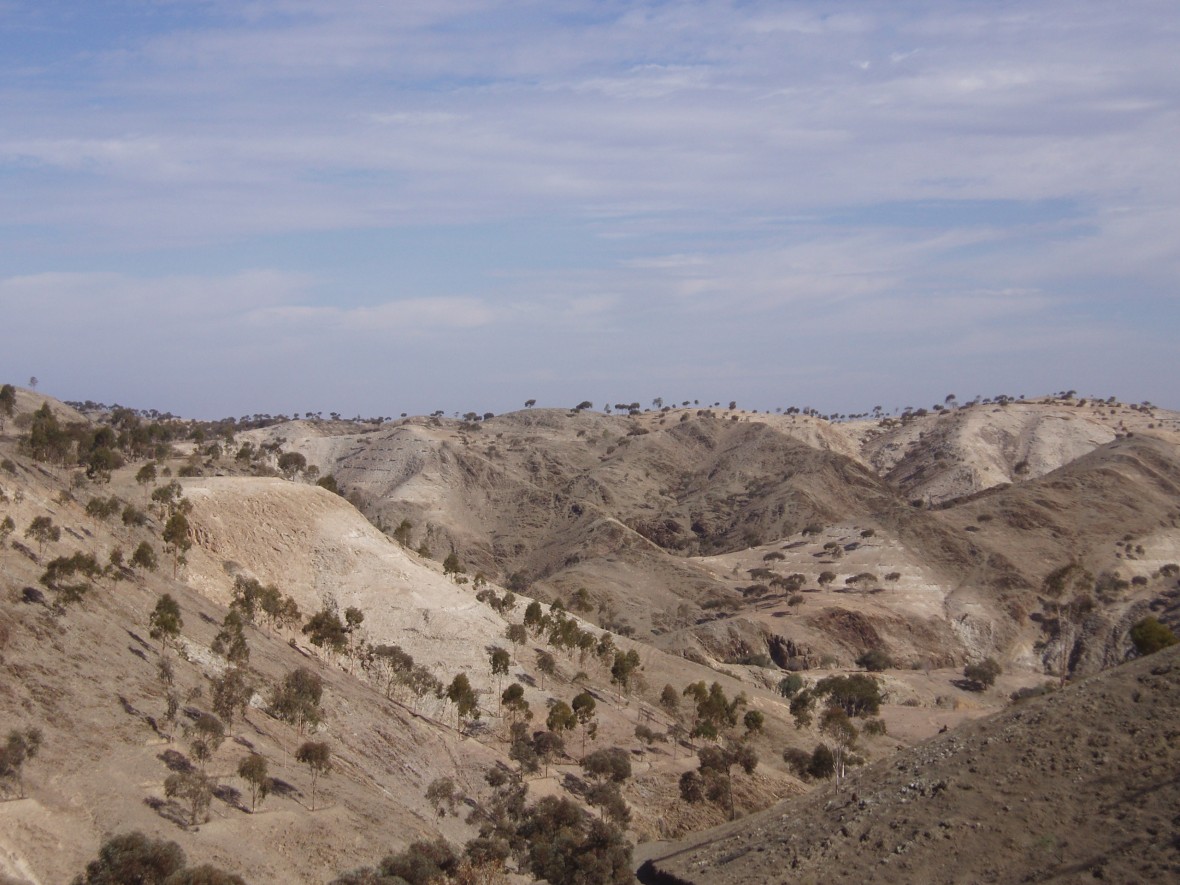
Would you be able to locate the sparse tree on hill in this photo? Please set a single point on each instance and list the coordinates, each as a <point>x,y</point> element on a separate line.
<point>231,693</point>
<point>18,748</point>
<point>500,660</point>
<point>176,539</point>
<point>230,641</point>
<point>317,756</point>
<point>466,701</point>
<point>518,635</point>
<point>43,531</point>
<point>144,557</point>
<point>443,795</point>
<point>834,722</point>
<point>7,403</point>
<point>297,698</point>
<point>195,789</point>
<point>253,770</point>
<point>547,664</point>
<point>165,622</point>
<point>584,708</point>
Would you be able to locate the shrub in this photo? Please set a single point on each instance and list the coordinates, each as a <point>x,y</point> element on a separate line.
<point>1149,635</point>
<point>875,660</point>
<point>982,675</point>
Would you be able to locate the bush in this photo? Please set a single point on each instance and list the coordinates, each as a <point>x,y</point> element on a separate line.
<point>875,660</point>
<point>1149,635</point>
<point>982,675</point>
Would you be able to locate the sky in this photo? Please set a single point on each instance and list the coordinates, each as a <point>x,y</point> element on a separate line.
<point>226,207</point>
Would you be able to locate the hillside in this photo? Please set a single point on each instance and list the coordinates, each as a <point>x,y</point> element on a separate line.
<point>689,545</point>
<point>1076,786</point>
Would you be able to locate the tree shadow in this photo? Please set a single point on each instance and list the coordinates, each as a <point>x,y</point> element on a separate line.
<point>139,640</point>
<point>176,761</point>
<point>168,809</point>
<point>231,796</point>
<point>280,787</point>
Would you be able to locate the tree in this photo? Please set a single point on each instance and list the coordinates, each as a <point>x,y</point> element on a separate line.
<point>7,527</point>
<point>566,847</point>
<point>325,629</point>
<point>18,748</point>
<point>623,669</point>
<point>401,534</point>
<point>253,770</point>
<point>1149,635</point>
<point>714,778</point>
<point>133,858</point>
<point>835,724</point>
<point>463,696</point>
<point>231,693</point>
<point>875,660</point>
<point>514,702</point>
<point>146,475</point>
<point>297,698</point>
<point>857,694</point>
<point>518,635</point>
<point>561,718</point>
<point>982,675</point>
<point>547,664</point>
<point>753,720</point>
<point>292,464</point>
<point>230,641</point>
<point>583,706</point>
<point>165,621</point>
<point>7,403</point>
<point>176,538</point>
<point>195,789</point>
<point>443,795</point>
<point>144,557</point>
<point>670,700</point>
<point>499,659</point>
<point>452,566</point>
<point>43,531</point>
<point>317,756</point>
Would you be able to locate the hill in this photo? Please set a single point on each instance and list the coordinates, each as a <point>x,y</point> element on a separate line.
<point>1076,786</point>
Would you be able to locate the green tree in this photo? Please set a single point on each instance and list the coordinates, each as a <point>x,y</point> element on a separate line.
<point>452,566</point>
<point>499,659</point>
<point>176,539</point>
<point>547,664</point>
<point>195,789</point>
<point>231,693</point>
<point>165,621</point>
<point>317,756</point>
<point>584,706</point>
<point>297,698</point>
<point>518,635</point>
<point>144,557</point>
<point>43,531</point>
<point>443,795</point>
<point>291,464</point>
<point>622,671</point>
<point>561,718</point>
<point>466,701</point>
<point>1150,635</point>
<point>230,641</point>
<point>253,770</point>
<point>982,675</point>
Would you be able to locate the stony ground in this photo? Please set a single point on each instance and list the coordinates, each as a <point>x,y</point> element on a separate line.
<point>1082,785</point>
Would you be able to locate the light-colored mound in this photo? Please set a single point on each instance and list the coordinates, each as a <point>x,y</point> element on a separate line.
<point>314,546</point>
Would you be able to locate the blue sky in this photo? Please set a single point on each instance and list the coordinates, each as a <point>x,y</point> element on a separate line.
<point>219,208</point>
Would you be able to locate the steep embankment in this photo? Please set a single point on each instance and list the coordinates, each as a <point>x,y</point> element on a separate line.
<point>1071,787</point>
